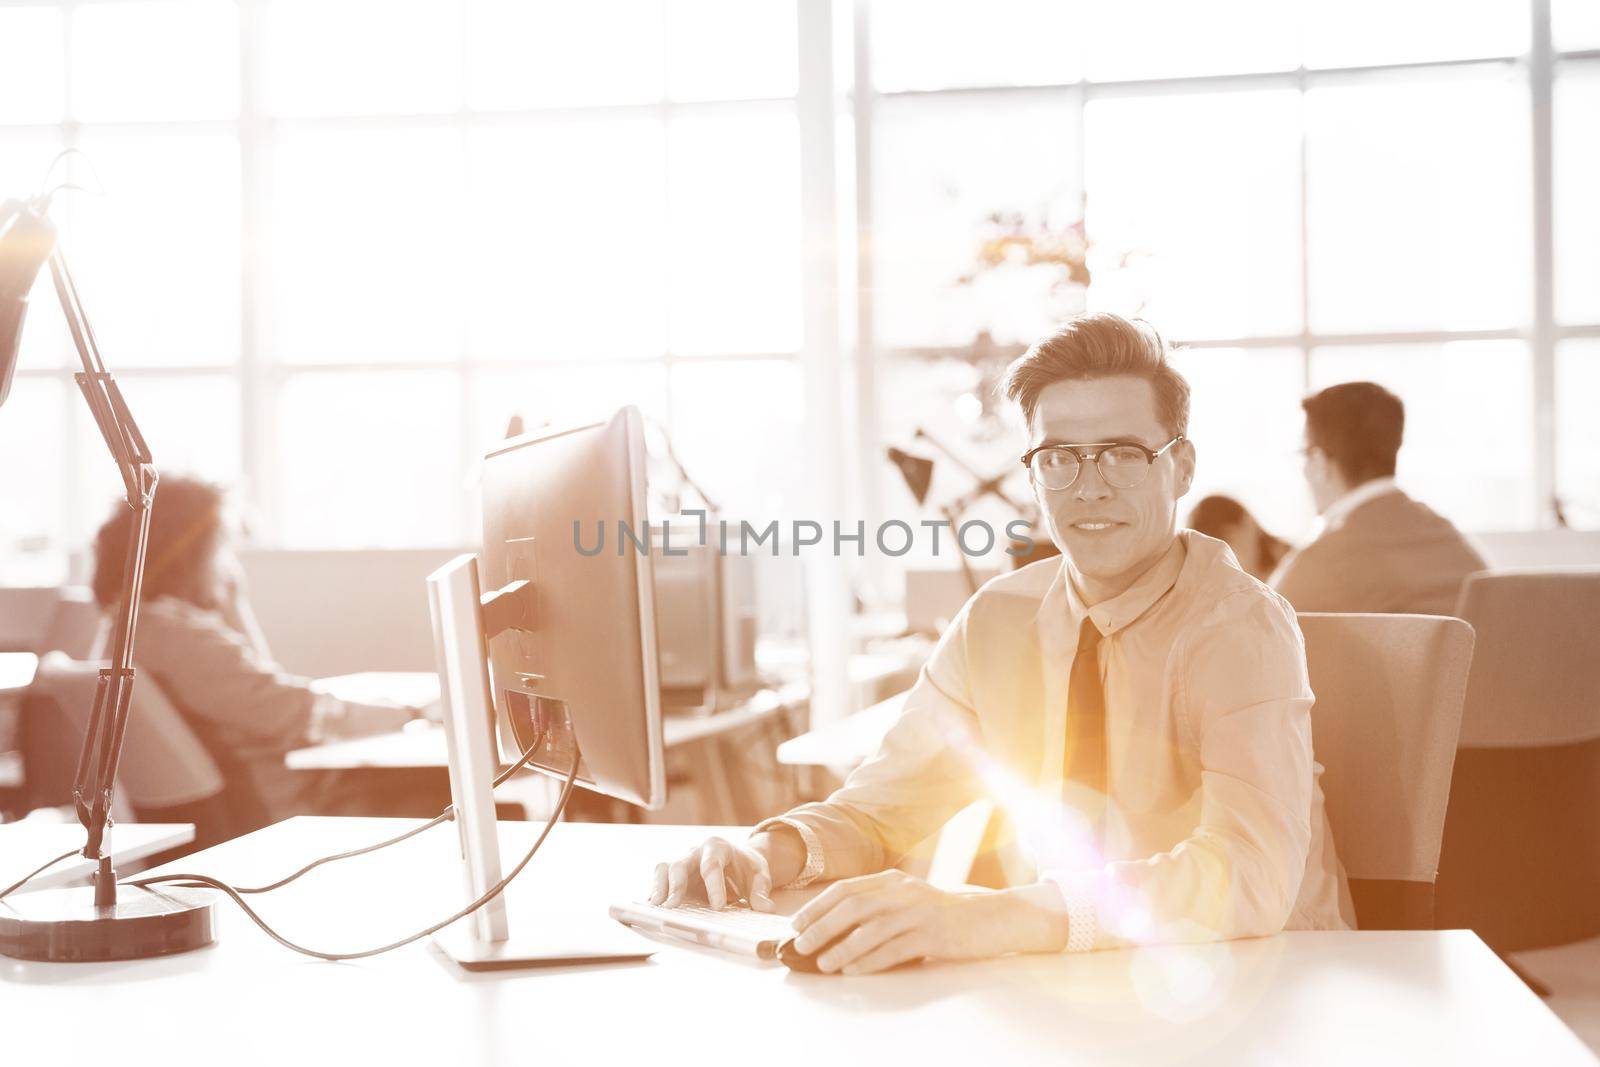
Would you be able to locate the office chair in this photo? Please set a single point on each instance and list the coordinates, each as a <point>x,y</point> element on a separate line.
<point>1389,695</point>
<point>166,773</point>
<point>1521,863</point>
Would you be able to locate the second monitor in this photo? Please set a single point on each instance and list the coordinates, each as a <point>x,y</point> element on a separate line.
<point>550,651</point>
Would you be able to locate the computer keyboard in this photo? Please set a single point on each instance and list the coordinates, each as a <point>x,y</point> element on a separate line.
<point>739,918</point>
<point>743,931</point>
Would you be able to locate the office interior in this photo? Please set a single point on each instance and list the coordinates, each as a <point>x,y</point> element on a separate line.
<point>336,254</point>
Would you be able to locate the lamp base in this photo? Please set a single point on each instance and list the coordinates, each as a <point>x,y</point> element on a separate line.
<point>66,926</point>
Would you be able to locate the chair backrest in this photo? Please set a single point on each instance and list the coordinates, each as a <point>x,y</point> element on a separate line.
<point>1522,847</point>
<point>1389,693</point>
<point>163,763</point>
<point>1536,677</point>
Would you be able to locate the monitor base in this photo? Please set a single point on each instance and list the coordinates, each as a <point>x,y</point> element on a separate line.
<point>552,949</point>
<point>66,926</point>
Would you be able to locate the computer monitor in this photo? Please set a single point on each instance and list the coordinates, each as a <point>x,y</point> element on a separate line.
<point>707,598</point>
<point>549,642</point>
<point>558,508</point>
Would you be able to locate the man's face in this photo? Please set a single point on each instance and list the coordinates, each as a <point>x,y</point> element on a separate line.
<point>1322,476</point>
<point>1112,535</point>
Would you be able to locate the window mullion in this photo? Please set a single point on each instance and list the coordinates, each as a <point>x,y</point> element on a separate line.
<point>257,388</point>
<point>1541,92</point>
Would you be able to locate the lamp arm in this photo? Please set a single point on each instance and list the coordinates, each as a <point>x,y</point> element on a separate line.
<point>95,779</point>
<point>986,486</point>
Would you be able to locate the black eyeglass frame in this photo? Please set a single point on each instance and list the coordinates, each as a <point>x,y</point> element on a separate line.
<point>1083,455</point>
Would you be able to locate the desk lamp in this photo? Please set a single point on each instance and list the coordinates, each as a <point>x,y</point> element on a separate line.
<point>918,474</point>
<point>98,923</point>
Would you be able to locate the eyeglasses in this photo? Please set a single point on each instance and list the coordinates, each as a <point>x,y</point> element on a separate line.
<point>1123,464</point>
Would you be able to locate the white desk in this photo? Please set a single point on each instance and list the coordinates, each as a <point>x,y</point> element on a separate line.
<point>1303,999</point>
<point>846,742</point>
<point>416,689</point>
<point>25,845</point>
<point>17,670</point>
<point>423,745</point>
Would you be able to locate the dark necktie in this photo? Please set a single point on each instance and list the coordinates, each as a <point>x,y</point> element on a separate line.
<point>1086,725</point>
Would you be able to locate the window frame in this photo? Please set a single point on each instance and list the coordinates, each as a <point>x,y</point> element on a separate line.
<point>1539,69</point>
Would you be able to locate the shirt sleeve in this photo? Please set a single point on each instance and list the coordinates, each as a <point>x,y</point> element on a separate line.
<point>1247,698</point>
<point>927,769</point>
<point>215,674</point>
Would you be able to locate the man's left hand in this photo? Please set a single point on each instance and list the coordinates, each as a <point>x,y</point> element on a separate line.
<point>891,918</point>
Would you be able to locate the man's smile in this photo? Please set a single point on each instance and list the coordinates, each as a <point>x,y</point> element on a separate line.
<point>1096,524</point>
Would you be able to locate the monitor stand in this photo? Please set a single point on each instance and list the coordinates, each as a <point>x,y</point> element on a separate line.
<point>482,940</point>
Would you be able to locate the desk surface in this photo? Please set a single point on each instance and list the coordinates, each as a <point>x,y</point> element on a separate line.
<point>25,845</point>
<point>16,671</point>
<point>423,744</point>
<point>1304,998</point>
<point>846,742</point>
<point>414,689</point>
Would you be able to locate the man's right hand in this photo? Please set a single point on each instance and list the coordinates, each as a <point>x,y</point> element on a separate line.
<point>722,870</point>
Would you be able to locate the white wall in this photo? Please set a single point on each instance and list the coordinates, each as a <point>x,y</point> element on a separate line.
<point>337,612</point>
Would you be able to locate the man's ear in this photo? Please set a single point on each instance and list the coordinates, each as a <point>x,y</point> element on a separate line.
<point>1320,468</point>
<point>1184,458</point>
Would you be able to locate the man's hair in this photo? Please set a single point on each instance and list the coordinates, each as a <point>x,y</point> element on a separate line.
<point>1214,515</point>
<point>1101,345</point>
<point>186,522</point>
<point>1359,426</point>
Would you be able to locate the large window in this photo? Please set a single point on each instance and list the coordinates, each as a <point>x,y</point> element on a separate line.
<point>330,263</point>
<point>1300,199</point>
<point>336,245</point>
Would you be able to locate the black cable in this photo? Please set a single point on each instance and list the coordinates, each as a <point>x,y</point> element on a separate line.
<point>31,875</point>
<point>444,816</point>
<point>494,891</point>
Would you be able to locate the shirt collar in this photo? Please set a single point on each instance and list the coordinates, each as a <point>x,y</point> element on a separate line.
<point>1112,615</point>
<point>1340,509</point>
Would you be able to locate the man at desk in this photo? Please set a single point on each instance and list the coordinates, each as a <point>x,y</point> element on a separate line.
<point>1141,708</point>
<point>1379,550</point>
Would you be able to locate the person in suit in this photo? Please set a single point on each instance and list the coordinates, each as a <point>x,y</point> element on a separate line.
<point>1379,550</point>
<point>1224,518</point>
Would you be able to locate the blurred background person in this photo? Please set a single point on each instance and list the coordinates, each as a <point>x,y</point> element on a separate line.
<point>1379,550</point>
<point>199,643</point>
<point>1224,518</point>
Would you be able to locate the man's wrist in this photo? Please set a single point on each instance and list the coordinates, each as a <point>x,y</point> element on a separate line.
<point>783,850</point>
<point>1030,918</point>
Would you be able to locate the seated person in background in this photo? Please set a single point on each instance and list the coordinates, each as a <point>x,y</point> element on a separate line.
<point>1379,550</point>
<point>198,641</point>
<point>1224,518</point>
<point>1140,706</point>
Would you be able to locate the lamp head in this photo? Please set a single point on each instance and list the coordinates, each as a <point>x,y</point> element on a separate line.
<point>916,470</point>
<point>26,238</point>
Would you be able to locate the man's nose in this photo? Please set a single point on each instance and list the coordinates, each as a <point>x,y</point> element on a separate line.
<point>1091,485</point>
